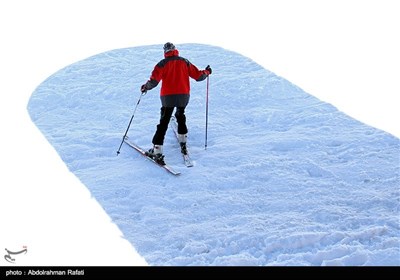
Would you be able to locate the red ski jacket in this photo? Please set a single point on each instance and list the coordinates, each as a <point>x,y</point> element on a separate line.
<point>174,72</point>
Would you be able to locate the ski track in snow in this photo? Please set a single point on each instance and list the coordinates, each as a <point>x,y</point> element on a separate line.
<point>286,178</point>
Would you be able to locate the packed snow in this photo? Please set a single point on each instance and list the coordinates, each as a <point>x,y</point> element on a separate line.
<point>286,179</point>
<point>341,52</point>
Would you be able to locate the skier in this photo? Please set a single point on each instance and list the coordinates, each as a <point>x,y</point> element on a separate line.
<point>174,72</point>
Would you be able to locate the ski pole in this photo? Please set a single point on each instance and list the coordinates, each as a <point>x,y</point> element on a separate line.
<point>205,145</point>
<point>134,111</point>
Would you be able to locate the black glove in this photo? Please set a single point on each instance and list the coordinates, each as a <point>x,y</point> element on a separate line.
<point>208,68</point>
<point>143,88</point>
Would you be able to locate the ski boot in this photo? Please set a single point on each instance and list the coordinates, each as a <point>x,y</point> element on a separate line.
<point>182,141</point>
<point>156,154</point>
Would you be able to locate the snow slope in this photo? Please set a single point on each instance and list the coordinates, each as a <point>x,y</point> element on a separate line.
<point>286,178</point>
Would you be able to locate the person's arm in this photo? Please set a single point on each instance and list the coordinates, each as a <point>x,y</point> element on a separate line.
<point>153,81</point>
<point>199,75</point>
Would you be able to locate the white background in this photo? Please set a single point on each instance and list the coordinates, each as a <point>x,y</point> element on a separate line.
<point>343,52</point>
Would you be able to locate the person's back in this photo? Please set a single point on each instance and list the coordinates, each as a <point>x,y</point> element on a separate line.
<point>174,72</point>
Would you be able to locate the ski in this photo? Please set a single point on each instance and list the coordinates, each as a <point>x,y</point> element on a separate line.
<point>143,153</point>
<point>186,158</point>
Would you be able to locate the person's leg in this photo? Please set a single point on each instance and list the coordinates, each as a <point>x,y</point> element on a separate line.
<point>182,128</point>
<point>181,119</point>
<point>165,116</point>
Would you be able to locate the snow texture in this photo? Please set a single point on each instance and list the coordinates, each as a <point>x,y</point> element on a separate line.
<point>286,179</point>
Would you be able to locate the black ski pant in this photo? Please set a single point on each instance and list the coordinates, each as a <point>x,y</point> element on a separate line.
<point>165,117</point>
